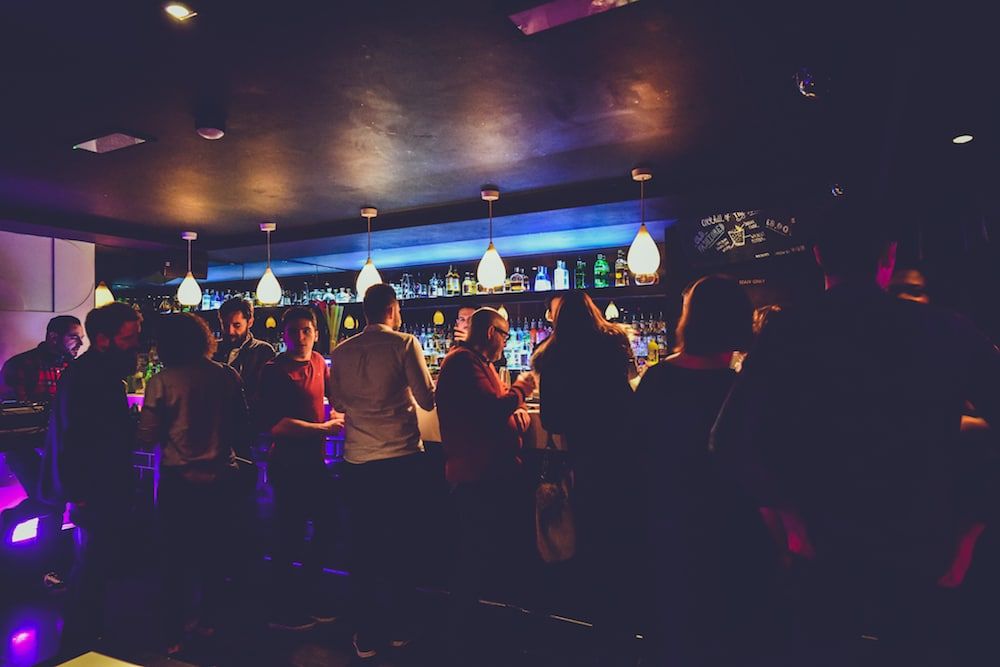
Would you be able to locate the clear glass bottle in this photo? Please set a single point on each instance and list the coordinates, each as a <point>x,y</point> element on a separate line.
<point>621,270</point>
<point>328,294</point>
<point>435,287</point>
<point>601,270</point>
<point>580,277</point>
<point>560,275</point>
<point>468,285</point>
<point>542,282</point>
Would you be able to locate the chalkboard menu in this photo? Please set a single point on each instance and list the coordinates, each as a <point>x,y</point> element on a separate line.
<point>739,236</point>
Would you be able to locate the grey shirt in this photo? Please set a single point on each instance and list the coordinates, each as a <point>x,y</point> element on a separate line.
<point>196,413</point>
<point>375,379</point>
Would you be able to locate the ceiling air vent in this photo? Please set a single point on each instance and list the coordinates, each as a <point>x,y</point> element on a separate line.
<point>109,142</point>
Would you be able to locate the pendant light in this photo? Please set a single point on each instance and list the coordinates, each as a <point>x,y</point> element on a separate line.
<point>368,275</point>
<point>643,255</point>
<point>438,318</point>
<point>503,313</point>
<point>611,312</point>
<point>491,272</point>
<point>189,294</point>
<point>268,288</point>
<point>102,295</point>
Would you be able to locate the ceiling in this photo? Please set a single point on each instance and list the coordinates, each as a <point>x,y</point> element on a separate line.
<point>413,106</point>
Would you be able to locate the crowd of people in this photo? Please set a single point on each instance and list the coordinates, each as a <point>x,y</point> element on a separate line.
<point>810,499</point>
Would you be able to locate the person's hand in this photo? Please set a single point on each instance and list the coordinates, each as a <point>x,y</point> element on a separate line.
<point>522,419</point>
<point>527,383</point>
<point>334,426</point>
<point>460,335</point>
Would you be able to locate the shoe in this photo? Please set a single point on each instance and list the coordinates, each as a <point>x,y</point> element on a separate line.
<point>292,623</point>
<point>363,650</point>
<point>323,617</point>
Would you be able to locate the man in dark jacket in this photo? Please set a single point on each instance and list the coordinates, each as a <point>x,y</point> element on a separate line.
<point>240,349</point>
<point>88,463</point>
<point>845,419</point>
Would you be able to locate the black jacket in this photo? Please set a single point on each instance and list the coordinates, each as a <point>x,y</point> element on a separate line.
<point>250,361</point>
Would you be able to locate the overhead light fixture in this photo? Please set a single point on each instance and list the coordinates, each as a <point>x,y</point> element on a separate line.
<point>102,295</point>
<point>211,133</point>
<point>643,255</point>
<point>189,293</point>
<point>109,142</point>
<point>179,11</point>
<point>438,318</point>
<point>611,312</point>
<point>350,323</point>
<point>368,275</point>
<point>962,139</point>
<point>503,313</point>
<point>491,272</point>
<point>268,289</point>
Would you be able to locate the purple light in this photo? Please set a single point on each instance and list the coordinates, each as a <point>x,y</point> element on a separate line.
<point>20,638</point>
<point>24,647</point>
<point>24,531</point>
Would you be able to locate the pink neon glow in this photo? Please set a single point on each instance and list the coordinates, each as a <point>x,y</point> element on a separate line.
<point>24,531</point>
<point>20,637</point>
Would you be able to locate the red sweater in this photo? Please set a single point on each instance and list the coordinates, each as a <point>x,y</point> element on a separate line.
<point>475,411</point>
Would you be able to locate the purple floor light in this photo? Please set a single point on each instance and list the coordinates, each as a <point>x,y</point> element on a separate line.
<point>24,531</point>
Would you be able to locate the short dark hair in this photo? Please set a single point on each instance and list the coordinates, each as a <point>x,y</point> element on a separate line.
<point>236,305</point>
<point>717,317</point>
<point>60,324</point>
<point>298,313</point>
<point>852,233</point>
<point>378,299</point>
<point>183,339</point>
<point>109,319</point>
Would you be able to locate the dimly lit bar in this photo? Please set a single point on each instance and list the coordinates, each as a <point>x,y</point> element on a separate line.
<point>623,333</point>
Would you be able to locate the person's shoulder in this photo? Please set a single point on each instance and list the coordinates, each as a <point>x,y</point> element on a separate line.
<point>457,356</point>
<point>259,346</point>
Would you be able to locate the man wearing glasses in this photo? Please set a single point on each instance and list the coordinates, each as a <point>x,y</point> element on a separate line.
<point>481,423</point>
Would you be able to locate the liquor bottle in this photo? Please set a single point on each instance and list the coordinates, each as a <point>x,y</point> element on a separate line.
<point>601,270</point>
<point>580,279</point>
<point>452,283</point>
<point>328,294</point>
<point>468,285</point>
<point>561,275</point>
<point>652,352</point>
<point>421,289</point>
<point>518,281</point>
<point>621,270</point>
<point>206,300</point>
<point>542,282</point>
<point>435,287</point>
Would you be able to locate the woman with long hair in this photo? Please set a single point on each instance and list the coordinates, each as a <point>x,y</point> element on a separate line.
<point>583,371</point>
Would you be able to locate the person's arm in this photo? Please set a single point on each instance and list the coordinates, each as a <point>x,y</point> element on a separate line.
<point>13,385</point>
<point>481,400</point>
<point>417,375</point>
<point>151,427</point>
<point>286,427</point>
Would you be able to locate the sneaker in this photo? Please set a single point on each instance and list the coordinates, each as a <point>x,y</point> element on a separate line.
<point>363,650</point>
<point>292,623</point>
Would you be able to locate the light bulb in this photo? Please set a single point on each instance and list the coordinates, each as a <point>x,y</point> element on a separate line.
<point>643,255</point>
<point>350,323</point>
<point>270,322</point>
<point>102,295</point>
<point>503,313</point>
<point>367,277</point>
<point>268,289</point>
<point>189,294</point>
<point>611,312</point>
<point>438,317</point>
<point>491,272</point>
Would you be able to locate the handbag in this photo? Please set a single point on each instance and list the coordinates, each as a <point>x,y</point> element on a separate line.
<point>555,530</point>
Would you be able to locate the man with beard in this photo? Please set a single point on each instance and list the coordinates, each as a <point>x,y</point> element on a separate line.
<point>88,463</point>
<point>239,348</point>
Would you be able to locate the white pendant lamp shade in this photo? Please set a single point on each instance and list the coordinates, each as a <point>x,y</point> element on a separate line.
<point>368,275</point>
<point>189,293</point>
<point>102,295</point>
<point>268,287</point>
<point>611,312</point>
<point>503,313</point>
<point>491,272</point>
<point>643,255</point>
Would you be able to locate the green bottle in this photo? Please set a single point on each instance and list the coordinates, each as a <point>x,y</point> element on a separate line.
<point>601,271</point>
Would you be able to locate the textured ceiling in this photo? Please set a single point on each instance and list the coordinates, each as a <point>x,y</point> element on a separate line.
<point>412,106</point>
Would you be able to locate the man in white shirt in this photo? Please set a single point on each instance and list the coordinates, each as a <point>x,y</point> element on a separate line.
<point>377,379</point>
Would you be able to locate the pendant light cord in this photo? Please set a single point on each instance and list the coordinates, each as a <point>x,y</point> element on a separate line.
<point>269,249</point>
<point>490,202</point>
<point>189,255</point>
<point>642,201</point>
<point>369,237</point>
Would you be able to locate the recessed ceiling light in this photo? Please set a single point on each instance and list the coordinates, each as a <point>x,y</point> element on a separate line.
<point>211,133</point>
<point>962,139</point>
<point>179,11</point>
<point>109,142</point>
